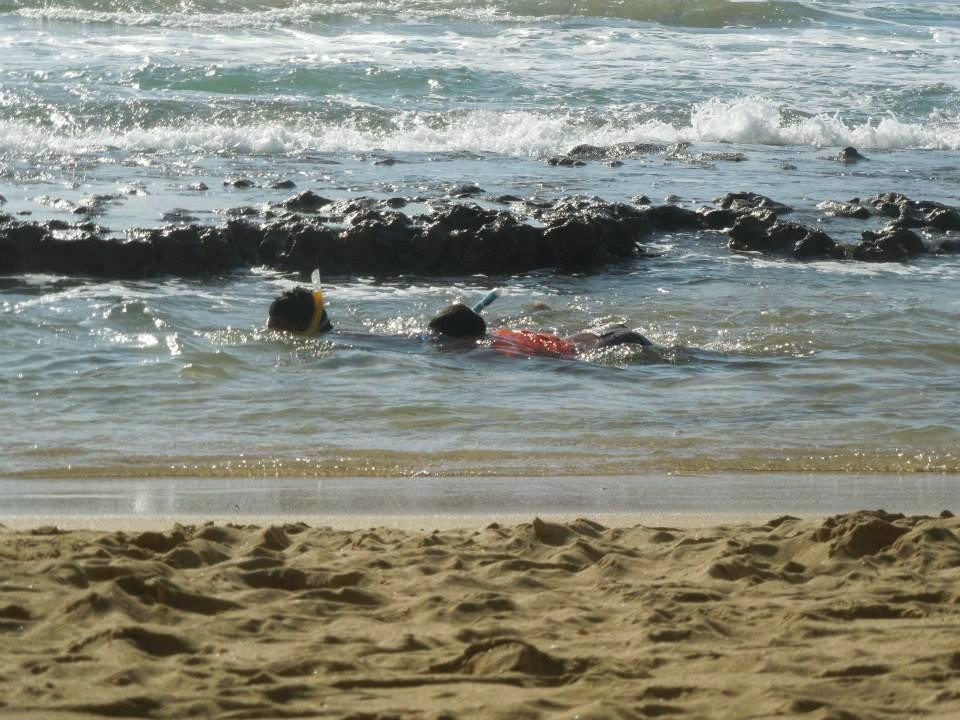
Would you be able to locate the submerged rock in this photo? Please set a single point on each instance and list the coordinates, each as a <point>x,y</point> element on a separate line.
<point>178,215</point>
<point>561,161</point>
<point>745,201</point>
<point>464,191</point>
<point>848,155</point>
<point>947,246</point>
<point>620,150</point>
<point>307,201</point>
<point>852,209</point>
<point>341,209</point>
<point>720,157</point>
<point>245,211</point>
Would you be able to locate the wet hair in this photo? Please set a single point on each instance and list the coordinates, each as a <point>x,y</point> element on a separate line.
<point>459,321</point>
<point>622,336</point>
<point>293,312</point>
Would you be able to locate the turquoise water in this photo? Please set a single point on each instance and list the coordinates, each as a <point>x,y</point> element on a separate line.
<point>761,364</point>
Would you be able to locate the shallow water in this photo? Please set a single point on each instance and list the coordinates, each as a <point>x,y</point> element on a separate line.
<point>760,365</point>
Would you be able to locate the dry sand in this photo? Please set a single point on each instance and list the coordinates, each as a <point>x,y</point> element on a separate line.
<point>855,616</point>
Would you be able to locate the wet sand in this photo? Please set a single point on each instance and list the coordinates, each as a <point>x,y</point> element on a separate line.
<point>846,616</point>
<point>634,498</point>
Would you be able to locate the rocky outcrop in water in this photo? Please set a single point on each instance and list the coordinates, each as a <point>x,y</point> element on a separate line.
<point>909,213</point>
<point>848,155</point>
<point>620,150</point>
<point>850,209</point>
<point>307,201</point>
<point>747,201</point>
<point>354,236</point>
<point>615,154</point>
<point>364,235</point>
<point>892,244</point>
<point>761,231</point>
<point>753,225</point>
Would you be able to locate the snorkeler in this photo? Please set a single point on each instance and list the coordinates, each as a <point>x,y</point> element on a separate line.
<point>302,311</point>
<point>299,311</point>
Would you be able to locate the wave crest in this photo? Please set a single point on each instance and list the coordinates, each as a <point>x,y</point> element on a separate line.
<point>760,121</point>
<point>746,121</point>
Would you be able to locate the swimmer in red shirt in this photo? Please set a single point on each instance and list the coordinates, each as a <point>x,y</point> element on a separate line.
<point>302,311</point>
<point>460,321</point>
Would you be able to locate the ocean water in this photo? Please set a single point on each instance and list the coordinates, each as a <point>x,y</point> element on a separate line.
<point>760,365</point>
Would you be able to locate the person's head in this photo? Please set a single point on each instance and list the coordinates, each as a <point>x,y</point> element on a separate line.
<point>621,336</point>
<point>299,311</point>
<point>458,321</point>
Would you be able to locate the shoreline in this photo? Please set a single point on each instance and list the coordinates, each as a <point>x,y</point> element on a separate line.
<point>461,501</point>
<point>410,523</point>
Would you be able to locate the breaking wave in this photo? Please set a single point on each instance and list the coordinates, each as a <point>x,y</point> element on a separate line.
<point>532,133</point>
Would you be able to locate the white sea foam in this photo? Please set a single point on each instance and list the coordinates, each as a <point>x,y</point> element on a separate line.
<point>296,15</point>
<point>197,13</point>
<point>757,120</point>
<point>750,121</point>
<point>259,16</point>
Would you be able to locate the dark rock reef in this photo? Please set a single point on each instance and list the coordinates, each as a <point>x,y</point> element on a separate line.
<point>752,223</point>
<point>761,231</point>
<point>354,236</point>
<point>916,213</point>
<point>892,243</point>
<point>363,235</point>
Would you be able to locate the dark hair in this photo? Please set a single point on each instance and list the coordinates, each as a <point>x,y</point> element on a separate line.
<point>293,311</point>
<point>458,321</point>
<point>622,336</point>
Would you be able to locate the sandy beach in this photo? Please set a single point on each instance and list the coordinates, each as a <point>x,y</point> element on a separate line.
<point>848,616</point>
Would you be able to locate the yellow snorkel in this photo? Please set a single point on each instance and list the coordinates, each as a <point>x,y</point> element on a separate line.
<point>318,314</point>
<point>299,311</point>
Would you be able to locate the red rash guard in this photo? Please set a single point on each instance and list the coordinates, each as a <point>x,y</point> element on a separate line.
<point>526,342</point>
